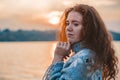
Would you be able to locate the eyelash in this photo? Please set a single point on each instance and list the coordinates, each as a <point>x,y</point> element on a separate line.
<point>75,24</point>
<point>67,23</point>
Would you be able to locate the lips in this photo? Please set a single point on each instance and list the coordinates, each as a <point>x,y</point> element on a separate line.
<point>69,35</point>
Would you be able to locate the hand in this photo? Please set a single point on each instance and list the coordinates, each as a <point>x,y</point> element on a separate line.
<point>62,51</point>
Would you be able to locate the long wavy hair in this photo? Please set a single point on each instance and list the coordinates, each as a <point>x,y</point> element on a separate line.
<point>96,38</point>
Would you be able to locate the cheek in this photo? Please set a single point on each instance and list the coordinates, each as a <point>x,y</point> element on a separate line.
<point>79,34</point>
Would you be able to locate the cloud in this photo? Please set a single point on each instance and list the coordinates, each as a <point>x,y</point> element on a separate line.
<point>27,7</point>
<point>36,11</point>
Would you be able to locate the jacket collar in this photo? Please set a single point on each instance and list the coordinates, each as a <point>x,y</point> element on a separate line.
<point>76,47</point>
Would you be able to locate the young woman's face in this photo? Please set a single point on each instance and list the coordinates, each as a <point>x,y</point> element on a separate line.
<point>74,27</point>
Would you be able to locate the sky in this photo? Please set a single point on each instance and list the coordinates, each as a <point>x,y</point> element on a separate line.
<point>45,14</point>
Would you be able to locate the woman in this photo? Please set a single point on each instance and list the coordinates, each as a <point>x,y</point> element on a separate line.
<point>84,33</point>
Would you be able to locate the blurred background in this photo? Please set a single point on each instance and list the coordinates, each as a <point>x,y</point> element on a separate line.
<point>28,33</point>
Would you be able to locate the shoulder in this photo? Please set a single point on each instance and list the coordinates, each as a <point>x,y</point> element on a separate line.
<point>86,52</point>
<point>86,56</point>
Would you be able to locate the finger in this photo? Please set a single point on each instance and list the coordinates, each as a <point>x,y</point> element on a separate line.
<point>60,44</point>
<point>68,55</point>
<point>65,57</point>
<point>64,45</point>
<point>68,45</point>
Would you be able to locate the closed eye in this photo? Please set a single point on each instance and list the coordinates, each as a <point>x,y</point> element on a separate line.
<point>67,23</point>
<point>76,24</point>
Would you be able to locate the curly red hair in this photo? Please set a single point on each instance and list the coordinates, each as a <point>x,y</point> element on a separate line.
<point>97,38</point>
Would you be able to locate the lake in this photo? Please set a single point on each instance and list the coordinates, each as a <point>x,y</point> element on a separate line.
<point>29,60</point>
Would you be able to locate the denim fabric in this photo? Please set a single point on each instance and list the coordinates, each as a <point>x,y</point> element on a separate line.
<point>80,66</point>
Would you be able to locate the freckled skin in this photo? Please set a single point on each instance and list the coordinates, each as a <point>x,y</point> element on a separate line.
<point>74,27</point>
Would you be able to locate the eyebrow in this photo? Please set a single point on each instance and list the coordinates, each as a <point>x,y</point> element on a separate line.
<point>74,21</point>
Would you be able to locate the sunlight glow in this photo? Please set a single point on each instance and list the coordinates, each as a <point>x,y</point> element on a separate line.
<point>54,20</point>
<point>45,14</point>
<point>53,49</point>
<point>54,17</point>
<point>105,3</point>
<point>67,3</point>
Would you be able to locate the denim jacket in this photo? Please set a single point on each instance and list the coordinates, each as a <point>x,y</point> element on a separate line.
<point>80,66</point>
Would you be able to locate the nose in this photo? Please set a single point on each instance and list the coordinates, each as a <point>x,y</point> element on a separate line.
<point>69,28</point>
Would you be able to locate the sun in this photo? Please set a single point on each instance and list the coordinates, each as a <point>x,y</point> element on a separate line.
<point>54,17</point>
<point>54,20</point>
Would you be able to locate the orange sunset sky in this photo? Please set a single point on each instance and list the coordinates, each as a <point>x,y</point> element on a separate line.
<point>44,14</point>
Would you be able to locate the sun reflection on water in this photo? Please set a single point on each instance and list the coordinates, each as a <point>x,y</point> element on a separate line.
<point>53,49</point>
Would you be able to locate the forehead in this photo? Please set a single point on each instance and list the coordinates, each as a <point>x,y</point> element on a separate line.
<point>73,15</point>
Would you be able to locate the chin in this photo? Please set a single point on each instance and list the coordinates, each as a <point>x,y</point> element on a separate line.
<point>71,41</point>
